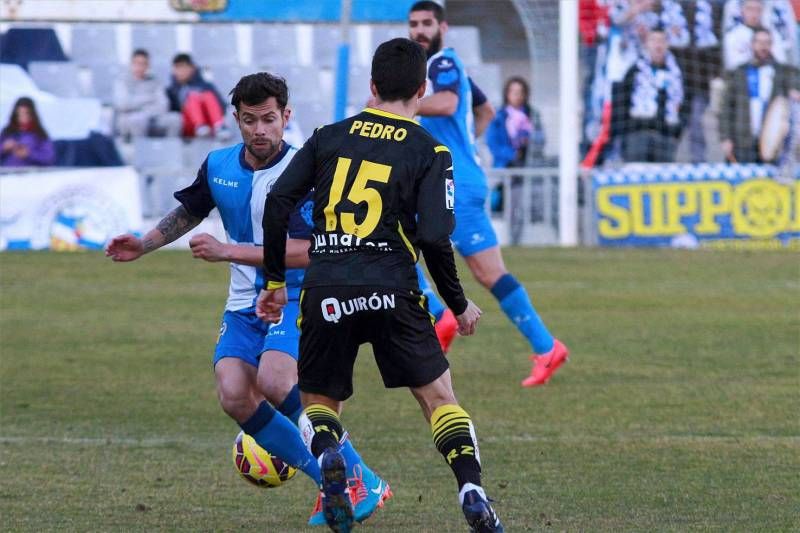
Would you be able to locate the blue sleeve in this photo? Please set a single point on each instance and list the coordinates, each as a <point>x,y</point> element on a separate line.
<point>301,221</point>
<point>478,98</point>
<point>444,75</point>
<point>197,198</point>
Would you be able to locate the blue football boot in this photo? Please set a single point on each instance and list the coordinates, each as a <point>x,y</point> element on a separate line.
<point>336,505</point>
<point>317,517</point>
<point>479,514</point>
<point>367,492</point>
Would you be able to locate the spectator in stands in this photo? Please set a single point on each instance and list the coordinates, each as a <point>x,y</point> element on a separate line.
<point>737,45</point>
<point>516,129</point>
<point>140,103</point>
<point>199,102</point>
<point>741,17</point>
<point>635,18</point>
<point>749,91</point>
<point>515,137</point>
<point>24,142</point>
<point>648,104</point>
<point>700,62</point>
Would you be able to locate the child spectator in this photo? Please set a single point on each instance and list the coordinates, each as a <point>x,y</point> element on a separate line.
<point>24,142</point>
<point>140,103</point>
<point>199,102</point>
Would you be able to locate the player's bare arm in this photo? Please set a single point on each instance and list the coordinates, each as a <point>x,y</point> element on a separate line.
<point>443,103</point>
<point>484,114</point>
<point>129,247</point>
<point>173,226</point>
<point>207,247</point>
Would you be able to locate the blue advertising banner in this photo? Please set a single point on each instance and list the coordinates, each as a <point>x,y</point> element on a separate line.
<point>310,11</point>
<point>691,206</point>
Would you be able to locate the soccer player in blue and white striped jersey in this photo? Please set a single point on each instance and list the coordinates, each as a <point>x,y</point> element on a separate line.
<point>447,113</point>
<point>255,365</point>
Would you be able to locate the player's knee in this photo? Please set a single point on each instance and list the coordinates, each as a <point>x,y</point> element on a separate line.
<point>433,396</point>
<point>275,388</point>
<point>239,405</point>
<point>277,375</point>
<point>486,271</point>
<point>484,278</point>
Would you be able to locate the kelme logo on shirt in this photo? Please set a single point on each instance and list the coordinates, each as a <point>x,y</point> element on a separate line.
<point>225,183</point>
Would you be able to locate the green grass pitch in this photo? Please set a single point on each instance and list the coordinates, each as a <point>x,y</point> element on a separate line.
<point>679,409</point>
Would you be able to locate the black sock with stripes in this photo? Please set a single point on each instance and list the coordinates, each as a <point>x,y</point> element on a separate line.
<point>327,428</point>
<point>454,437</point>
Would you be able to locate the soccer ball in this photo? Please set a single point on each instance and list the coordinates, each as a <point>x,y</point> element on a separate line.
<point>257,465</point>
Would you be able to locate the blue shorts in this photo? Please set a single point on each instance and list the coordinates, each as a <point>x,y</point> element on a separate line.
<point>474,232</point>
<point>244,336</point>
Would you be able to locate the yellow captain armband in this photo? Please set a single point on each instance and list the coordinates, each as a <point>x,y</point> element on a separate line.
<point>441,148</point>
<point>272,285</point>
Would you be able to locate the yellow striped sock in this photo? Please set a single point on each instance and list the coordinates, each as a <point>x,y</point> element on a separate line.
<point>449,421</point>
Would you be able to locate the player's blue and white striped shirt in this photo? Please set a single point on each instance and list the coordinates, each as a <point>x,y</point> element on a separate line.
<point>446,72</point>
<point>226,181</point>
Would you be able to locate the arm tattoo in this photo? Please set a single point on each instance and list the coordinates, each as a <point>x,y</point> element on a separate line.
<point>148,245</point>
<point>175,224</point>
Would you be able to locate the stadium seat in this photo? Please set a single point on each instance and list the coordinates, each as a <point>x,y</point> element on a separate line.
<point>358,86</point>
<point>304,83</point>
<point>157,154</point>
<point>384,32</point>
<point>214,44</point>
<point>160,166</point>
<point>103,79</point>
<point>311,115</point>
<point>225,77</point>
<point>62,78</point>
<point>488,78</point>
<point>196,151</point>
<point>467,42</point>
<point>94,44</point>
<point>158,39</point>
<point>326,45</point>
<point>274,45</point>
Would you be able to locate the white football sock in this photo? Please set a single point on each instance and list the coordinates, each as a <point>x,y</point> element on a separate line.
<point>468,487</point>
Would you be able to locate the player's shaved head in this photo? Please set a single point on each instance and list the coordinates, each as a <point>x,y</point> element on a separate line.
<point>398,69</point>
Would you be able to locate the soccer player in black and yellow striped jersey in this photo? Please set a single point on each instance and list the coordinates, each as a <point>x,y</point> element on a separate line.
<point>383,194</point>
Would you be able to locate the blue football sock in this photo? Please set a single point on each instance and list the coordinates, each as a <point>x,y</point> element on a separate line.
<point>276,434</point>
<point>352,458</point>
<point>291,406</point>
<point>435,305</point>
<point>517,306</point>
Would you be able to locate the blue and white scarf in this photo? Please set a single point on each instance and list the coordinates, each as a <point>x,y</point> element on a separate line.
<point>647,83</point>
<point>759,88</point>
<point>704,25</point>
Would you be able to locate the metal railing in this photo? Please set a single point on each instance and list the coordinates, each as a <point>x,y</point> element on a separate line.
<point>524,205</point>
